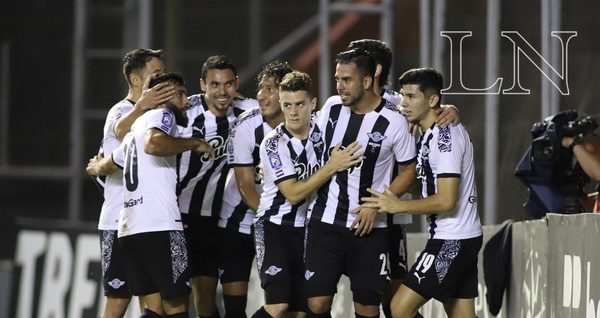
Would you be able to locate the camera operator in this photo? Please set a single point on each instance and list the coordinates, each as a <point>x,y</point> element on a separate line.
<point>586,149</point>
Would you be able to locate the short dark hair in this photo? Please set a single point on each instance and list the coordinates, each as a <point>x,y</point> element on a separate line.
<point>296,81</point>
<point>426,78</point>
<point>277,69</point>
<point>136,60</point>
<point>172,77</point>
<point>365,62</point>
<point>219,62</point>
<point>380,51</point>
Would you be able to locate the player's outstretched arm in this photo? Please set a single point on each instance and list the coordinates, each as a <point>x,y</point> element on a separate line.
<point>151,98</point>
<point>157,143</point>
<point>101,166</point>
<point>340,159</point>
<point>443,201</point>
<point>244,176</point>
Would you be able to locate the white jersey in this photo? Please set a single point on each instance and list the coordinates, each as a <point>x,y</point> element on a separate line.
<point>247,133</point>
<point>286,157</point>
<point>448,153</point>
<point>113,184</point>
<point>383,134</point>
<point>201,181</point>
<point>149,181</point>
<point>394,98</point>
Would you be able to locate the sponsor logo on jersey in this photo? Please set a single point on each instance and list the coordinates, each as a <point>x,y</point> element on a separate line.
<point>353,168</point>
<point>273,270</point>
<point>219,146</point>
<point>472,199</point>
<point>308,274</point>
<point>418,277</point>
<point>116,283</point>
<point>304,171</point>
<point>133,202</point>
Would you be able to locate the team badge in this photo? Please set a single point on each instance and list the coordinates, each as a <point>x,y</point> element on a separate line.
<point>315,136</point>
<point>376,136</point>
<point>116,283</point>
<point>167,119</point>
<point>273,270</point>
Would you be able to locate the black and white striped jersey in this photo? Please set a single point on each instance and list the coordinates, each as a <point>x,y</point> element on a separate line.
<point>149,203</point>
<point>247,133</point>
<point>394,98</point>
<point>113,183</point>
<point>448,153</point>
<point>285,157</point>
<point>202,181</point>
<point>384,136</point>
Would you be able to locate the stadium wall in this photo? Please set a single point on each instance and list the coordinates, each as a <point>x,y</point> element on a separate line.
<point>55,272</point>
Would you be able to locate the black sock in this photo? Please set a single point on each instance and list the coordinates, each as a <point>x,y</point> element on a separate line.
<point>179,315</point>
<point>311,314</point>
<point>147,313</point>
<point>235,306</point>
<point>261,313</point>
<point>360,316</point>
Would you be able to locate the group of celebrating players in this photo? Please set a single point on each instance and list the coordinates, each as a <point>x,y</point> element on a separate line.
<point>197,186</point>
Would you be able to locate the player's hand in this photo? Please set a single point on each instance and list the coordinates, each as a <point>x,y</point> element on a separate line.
<point>203,147</point>
<point>91,166</point>
<point>364,221</point>
<point>342,159</point>
<point>446,115</point>
<point>155,96</point>
<point>385,202</point>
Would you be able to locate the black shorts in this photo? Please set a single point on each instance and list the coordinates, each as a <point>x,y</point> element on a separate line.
<point>201,233</point>
<point>332,251</point>
<point>397,250</point>
<point>446,269</point>
<point>236,253</point>
<point>280,251</point>
<point>157,262</point>
<point>114,277</point>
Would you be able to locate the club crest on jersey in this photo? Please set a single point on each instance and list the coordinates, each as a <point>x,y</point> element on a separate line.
<point>445,140</point>
<point>315,136</point>
<point>167,121</point>
<point>375,139</point>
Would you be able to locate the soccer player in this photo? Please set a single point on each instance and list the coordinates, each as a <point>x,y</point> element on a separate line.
<point>202,181</point>
<point>291,157</point>
<point>150,229</point>
<point>138,65</point>
<point>447,268</point>
<point>331,248</point>
<point>243,187</point>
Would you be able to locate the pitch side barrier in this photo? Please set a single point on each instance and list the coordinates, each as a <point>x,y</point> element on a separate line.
<point>555,264</point>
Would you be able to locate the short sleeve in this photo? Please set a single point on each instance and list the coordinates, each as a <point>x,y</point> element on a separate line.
<point>242,143</point>
<point>276,160</point>
<point>450,147</point>
<point>404,143</point>
<point>118,155</point>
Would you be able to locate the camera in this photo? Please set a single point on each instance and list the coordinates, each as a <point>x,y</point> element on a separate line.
<point>555,180</point>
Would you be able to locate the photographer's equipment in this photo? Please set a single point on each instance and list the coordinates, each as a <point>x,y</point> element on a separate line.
<point>554,178</point>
